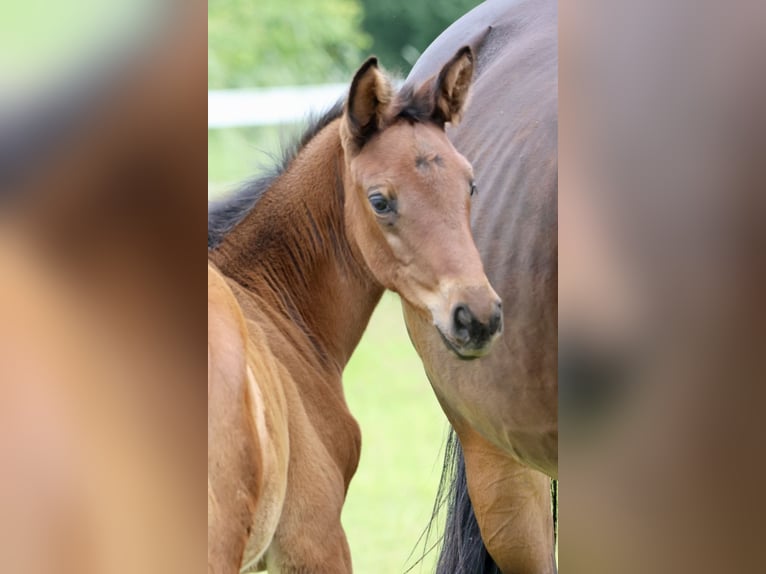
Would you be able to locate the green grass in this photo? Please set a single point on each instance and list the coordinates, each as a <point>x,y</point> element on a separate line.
<point>390,499</point>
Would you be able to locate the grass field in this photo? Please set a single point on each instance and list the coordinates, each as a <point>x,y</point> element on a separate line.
<point>390,499</point>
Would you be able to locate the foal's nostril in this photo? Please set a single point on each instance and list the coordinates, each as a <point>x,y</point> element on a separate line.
<point>463,319</point>
<point>495,323</point>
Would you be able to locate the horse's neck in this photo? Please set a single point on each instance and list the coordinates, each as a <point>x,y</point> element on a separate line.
<point>293,254</point>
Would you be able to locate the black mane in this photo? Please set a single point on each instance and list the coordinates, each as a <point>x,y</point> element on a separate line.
<point>223,215</point>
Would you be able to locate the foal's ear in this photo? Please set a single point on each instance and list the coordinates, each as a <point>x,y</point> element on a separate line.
<point>368,99</point>
<point>451,87</point>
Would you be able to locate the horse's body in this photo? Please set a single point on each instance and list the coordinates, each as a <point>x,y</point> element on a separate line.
<point>272,341</point>
<point>505,408</point>
<point>250,450</point>
<point>298,262</point>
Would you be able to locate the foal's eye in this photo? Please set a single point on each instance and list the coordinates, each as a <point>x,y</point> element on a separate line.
<point>380,203</point>
<point>473,188</point>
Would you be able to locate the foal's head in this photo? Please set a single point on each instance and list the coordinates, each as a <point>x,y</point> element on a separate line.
<point>408,194</point>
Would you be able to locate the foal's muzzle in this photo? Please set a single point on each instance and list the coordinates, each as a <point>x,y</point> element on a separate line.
<point>472,331</point>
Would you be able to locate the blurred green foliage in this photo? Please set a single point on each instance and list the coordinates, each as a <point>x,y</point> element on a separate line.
<point>273,42</point>
<point>254,43</point>
<point>402,29</point>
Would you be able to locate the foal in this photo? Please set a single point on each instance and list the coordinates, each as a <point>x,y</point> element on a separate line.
<point>375,197</point>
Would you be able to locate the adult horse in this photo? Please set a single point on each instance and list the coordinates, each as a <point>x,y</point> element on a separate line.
<point>374,197</point>
<point>504,408</point>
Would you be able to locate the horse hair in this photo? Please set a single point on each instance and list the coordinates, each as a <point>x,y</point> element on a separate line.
<point>415,106</point>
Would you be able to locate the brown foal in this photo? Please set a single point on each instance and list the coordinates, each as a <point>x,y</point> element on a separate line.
<point>376,197</point>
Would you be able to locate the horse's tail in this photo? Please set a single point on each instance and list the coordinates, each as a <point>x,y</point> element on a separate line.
<point>462,549</point>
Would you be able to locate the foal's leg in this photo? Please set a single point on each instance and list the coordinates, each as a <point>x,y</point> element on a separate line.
<point>310,538</point>
<point>512,503</point>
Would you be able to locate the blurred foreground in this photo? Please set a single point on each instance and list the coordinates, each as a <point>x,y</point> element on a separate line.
<point>102,356</point>
<point>662,275</point>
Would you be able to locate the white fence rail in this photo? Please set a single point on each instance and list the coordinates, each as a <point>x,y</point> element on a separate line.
<point>269,106</point>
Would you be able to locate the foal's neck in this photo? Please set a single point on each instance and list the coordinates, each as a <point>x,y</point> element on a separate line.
<point>292,250</point>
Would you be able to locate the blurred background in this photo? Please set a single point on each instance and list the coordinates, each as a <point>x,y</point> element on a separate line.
<point>268,68</point>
